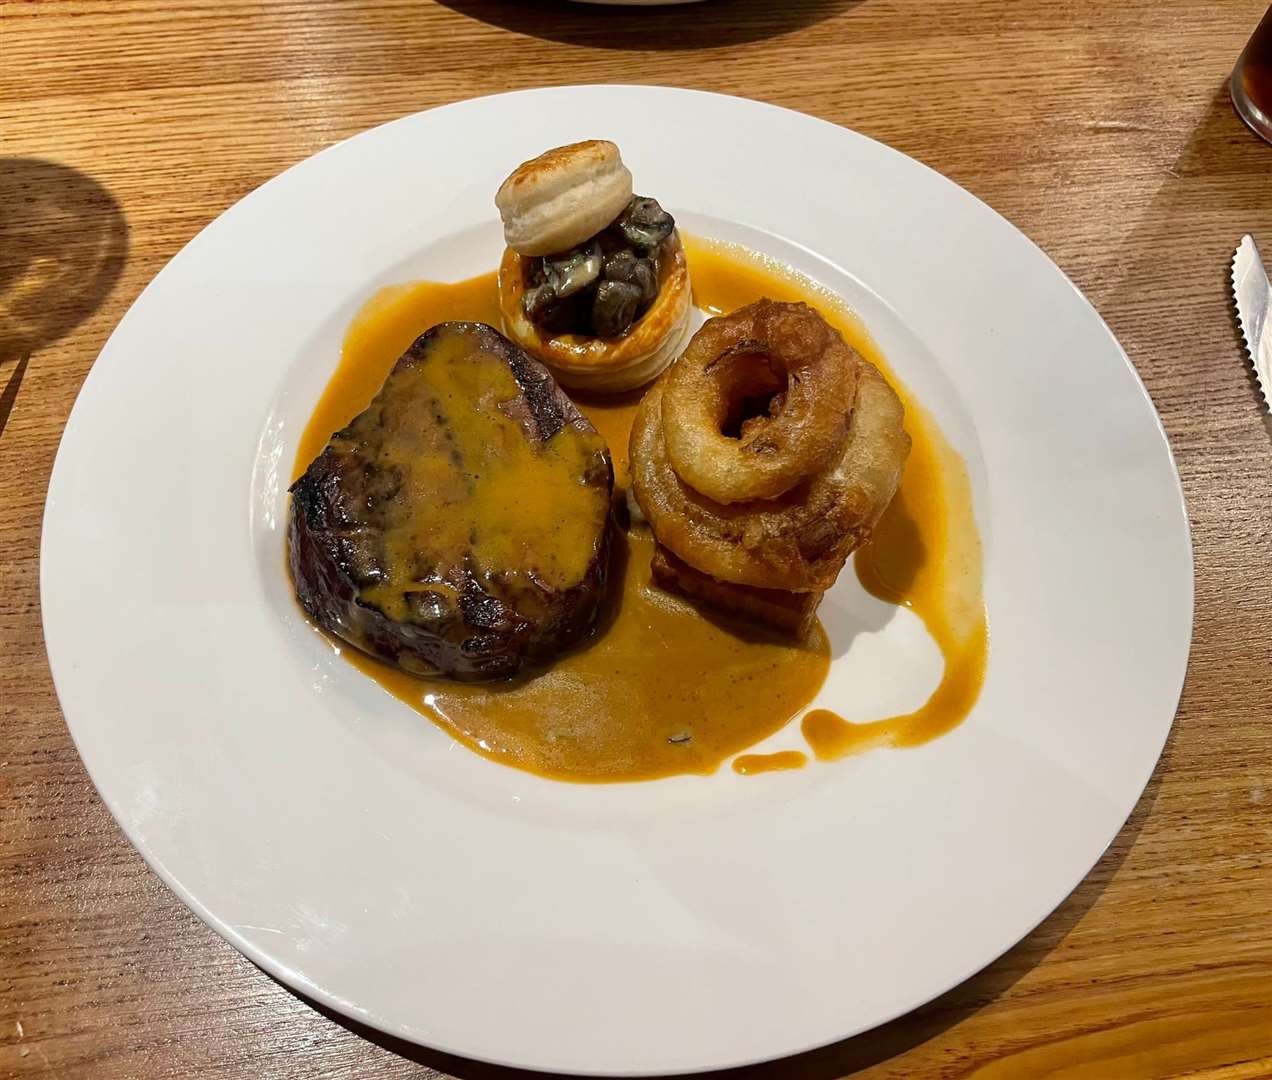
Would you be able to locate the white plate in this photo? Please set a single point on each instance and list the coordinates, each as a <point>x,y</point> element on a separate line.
<point>348,847</point>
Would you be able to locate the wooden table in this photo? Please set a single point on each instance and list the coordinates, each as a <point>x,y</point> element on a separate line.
<point>1102,129</point>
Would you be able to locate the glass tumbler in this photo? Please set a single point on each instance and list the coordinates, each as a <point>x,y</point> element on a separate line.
<point>1251,83</point>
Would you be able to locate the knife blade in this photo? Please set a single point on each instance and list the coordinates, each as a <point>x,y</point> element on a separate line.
<point>1253,294</point>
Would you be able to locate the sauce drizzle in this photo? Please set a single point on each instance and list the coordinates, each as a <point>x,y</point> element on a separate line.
<point>751,764</point>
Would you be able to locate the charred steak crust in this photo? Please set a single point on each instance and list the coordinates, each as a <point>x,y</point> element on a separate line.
<point>441,608</point>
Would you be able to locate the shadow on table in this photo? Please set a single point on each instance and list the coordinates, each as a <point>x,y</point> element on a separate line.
<point>683,26</point>
<point>890,1040</point>
<point>63,242</point>
<point>1221,146</point>
<point>1219,149</point>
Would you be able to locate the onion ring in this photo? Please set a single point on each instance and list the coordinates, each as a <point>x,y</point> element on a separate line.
<point>799,540</point>
<point>765,349</point>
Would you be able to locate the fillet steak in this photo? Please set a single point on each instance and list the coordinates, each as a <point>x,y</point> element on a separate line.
<point>460,525</point>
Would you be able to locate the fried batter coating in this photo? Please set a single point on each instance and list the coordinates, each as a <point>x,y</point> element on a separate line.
<point>799,539</point>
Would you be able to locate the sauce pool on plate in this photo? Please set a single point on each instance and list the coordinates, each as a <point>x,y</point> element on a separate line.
<point>926,549</point>
<point>661,689</point>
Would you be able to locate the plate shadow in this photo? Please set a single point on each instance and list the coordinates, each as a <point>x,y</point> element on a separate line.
<point>682,26</point>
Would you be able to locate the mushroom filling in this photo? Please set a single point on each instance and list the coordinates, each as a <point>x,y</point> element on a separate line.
<point>603,285</point>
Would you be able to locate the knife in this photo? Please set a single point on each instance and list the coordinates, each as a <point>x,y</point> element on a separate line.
<point>1254,298</point>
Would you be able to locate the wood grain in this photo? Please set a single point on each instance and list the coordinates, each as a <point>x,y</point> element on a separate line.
<point>1101,129</point>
